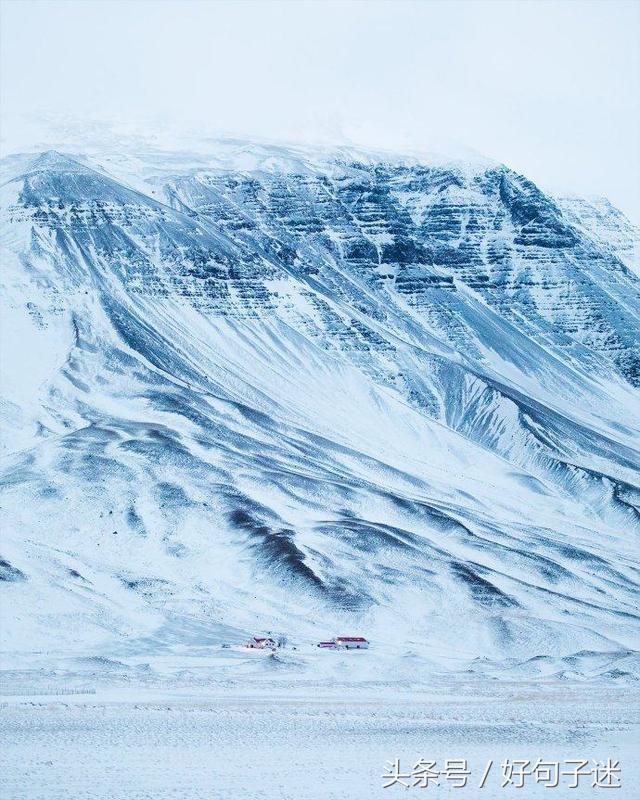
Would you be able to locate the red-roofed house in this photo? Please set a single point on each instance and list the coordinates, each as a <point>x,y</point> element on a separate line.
<point>351,642</point>
<point>346,643</point>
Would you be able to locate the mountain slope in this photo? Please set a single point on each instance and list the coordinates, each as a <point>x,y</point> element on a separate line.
<point>316,392</point>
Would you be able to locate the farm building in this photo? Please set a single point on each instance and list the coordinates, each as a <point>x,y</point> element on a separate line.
<point>260,642</point>
<point>345,643</point>
<point>351,642</point>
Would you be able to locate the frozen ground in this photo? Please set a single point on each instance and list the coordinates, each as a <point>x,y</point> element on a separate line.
<point>284,739</point>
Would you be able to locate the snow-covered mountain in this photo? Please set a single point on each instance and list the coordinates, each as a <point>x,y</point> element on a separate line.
<point>272,388</point>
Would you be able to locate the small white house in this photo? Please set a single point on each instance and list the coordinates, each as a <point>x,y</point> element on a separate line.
<point>260,642</point>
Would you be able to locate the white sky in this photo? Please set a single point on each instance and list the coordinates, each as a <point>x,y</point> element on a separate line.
<point>550,88</point>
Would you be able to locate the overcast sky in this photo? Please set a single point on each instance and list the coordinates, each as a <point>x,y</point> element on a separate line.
<point>550,88</point>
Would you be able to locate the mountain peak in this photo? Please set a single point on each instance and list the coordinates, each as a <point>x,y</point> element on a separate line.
<point>51,160</point>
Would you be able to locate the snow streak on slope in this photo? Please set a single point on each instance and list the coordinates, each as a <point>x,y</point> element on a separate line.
<point>317,393</point>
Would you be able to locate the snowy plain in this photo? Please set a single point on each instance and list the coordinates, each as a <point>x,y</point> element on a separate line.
<point>283,739</point>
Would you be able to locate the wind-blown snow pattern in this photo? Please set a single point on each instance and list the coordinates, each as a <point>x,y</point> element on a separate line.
<point>272,388</point>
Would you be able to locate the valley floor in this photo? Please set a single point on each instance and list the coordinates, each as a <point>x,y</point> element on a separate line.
<point>280,740</point>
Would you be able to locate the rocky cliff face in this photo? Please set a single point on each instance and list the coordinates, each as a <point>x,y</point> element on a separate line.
<point>319,391</point>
